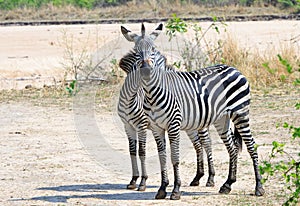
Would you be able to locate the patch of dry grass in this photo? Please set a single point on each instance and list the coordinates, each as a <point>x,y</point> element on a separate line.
<point>38,96</point>
<point>49,12</point>
<point>135,9</point>
<point>106,94</point>
<point>264,69</point>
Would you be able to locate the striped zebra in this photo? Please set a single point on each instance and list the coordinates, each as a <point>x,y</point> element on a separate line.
<point>130,110</point>
<point>192,101</point>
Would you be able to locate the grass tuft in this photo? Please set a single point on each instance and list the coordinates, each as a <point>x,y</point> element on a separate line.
<point>134,9</point>
<point>269,68</point>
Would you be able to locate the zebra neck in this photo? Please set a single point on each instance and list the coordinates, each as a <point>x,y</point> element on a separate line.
<point>160,77</point>
<point>158,83</point>
<point>127,62</point>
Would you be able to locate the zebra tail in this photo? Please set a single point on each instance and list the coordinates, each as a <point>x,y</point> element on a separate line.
<point>238,140</point>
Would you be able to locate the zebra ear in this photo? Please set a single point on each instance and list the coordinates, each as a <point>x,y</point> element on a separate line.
<point>143,30</point>
<point>156,32</point>
<point>129,37</point>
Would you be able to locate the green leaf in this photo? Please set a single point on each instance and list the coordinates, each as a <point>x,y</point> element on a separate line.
<point>217,29</point>
<point>214,18</point>
<point>263,180</point>
<point>277,125</point>
<point>285,63</point>
<point>256,147</point>
<point>296,82</point>
<point>285,125</point>
<point>282,77</point>
<point>296,132</point>
<point>277,148</point>
<point>267,67</point>
<point>174,25</point>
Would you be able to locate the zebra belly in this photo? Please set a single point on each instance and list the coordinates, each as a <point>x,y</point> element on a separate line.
<point>158,119</point>
<point>197,115</point>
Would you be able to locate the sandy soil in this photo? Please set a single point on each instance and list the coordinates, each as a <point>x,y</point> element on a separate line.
<point>36,54</point>
<point>78,154</point>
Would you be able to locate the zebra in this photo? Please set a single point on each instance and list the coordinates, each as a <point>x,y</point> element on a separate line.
<point>130,110</point>
<point>192,101</point>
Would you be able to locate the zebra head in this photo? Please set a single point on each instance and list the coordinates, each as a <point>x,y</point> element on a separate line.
<point>144,48</point>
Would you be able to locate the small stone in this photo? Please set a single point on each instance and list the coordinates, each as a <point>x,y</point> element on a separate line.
<point>28,86</point>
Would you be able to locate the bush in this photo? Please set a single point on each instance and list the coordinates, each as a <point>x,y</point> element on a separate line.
<point>288,167</point>
<point>91,4</point>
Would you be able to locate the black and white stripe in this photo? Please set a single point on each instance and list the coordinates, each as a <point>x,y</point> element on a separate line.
<point>130,110</point>
<point>193,101</point>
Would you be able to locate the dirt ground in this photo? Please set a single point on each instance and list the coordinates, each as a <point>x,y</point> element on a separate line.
<point>73,152</point>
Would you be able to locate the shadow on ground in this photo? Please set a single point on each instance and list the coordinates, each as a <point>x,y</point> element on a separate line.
<point>100,192</point>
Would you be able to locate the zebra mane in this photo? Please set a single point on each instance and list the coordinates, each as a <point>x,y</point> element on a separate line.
<point>167,67</point>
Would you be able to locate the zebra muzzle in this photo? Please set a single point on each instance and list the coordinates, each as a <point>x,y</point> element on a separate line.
<point>145,70</point>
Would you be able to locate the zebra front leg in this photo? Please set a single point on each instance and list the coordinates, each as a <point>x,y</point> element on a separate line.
<point>195,139</point>
<point>142,155</point>
<point>174,144</point>
<point>206,143</point>
<point>161,148</point>
<point>131,134</point>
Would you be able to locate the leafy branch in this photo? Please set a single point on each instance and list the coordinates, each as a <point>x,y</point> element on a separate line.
<point>289,168</point>
<point>199,51</point>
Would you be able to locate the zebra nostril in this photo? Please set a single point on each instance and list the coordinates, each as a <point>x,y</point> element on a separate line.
<point>145,64</point>
<point>145,70</point>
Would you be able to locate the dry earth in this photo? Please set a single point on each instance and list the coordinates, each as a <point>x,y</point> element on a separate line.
<point>53,153</point>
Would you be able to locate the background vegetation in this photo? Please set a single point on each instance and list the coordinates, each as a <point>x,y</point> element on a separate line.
<point>103,9</point>
<point>91,4</point>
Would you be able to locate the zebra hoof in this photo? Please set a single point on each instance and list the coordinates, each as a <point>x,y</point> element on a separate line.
<point>142,188</point>
<point>161,195</point>
<point>225,189</point>
<point>210,184</point>
<point>195,183</point>
<point>259,191</point>
<point>131,186</point>
<point>175,196</point>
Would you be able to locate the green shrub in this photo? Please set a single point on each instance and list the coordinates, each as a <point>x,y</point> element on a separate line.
<point>288,167</point>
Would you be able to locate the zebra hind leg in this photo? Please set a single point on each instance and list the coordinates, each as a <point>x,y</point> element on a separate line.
<point>195,139</point>
<point>206,143</point>
<point>159,136</point>
<point>174,136</point>
<point>241,122</point>
<point>223,129</point>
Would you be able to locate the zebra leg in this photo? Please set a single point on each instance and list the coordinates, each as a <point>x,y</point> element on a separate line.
<point>131,134</point>
<point>223,128</point>
<point>206,142</point>
<point>174,144</point>
<point>159,136</point>
<point>142,155</point>
<point>241,123</point>
<point>195,139</point>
